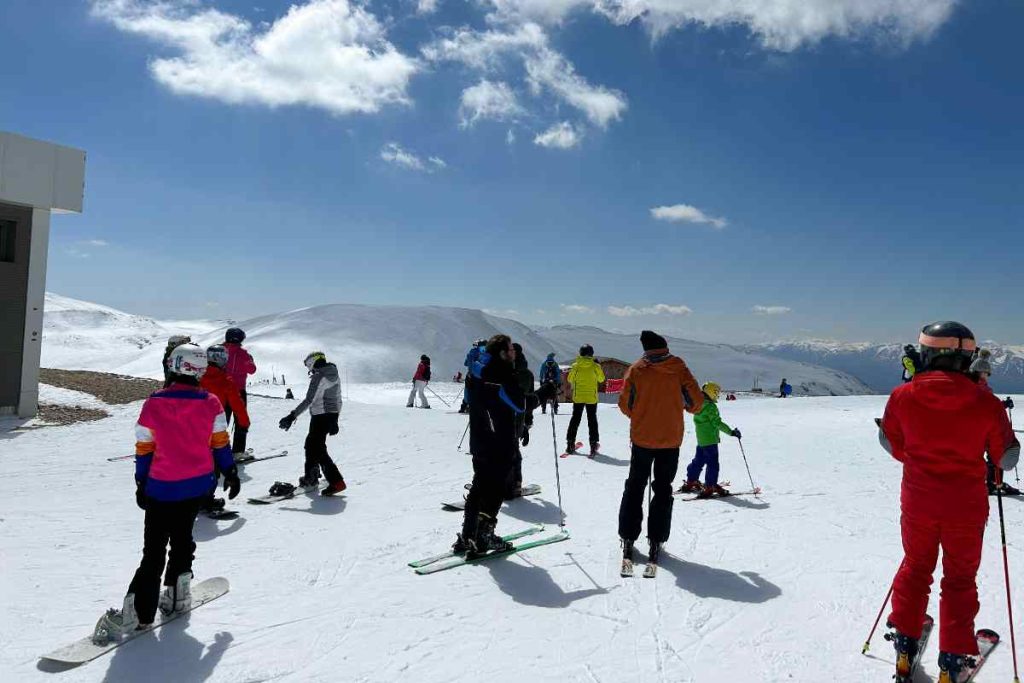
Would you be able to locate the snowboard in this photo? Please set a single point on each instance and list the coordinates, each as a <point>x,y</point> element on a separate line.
<point>460,560</point>
<point>922,645</point>
<point>755,492</point>
<point>537,528</point>
<point>528,490</point>
<point>268,499</point>
<point>85,650</point>
<point>249,457</point>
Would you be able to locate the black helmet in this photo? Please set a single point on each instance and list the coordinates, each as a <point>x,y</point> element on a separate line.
<point>947,345</point>
<point>909,348</point>
<point>234,335</point>
<point>480,342</point>
<point>586,350</point>
<point>425,358</point>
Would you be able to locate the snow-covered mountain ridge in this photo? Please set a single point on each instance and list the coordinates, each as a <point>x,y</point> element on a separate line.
<point>383,344</point>
<point>878,365</point>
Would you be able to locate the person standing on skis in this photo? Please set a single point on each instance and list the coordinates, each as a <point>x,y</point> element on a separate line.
<point>497,400</point>
<point>524,421</point>
<point>420,380</point>
<point>180,434</point>
<point>656,390</point>
<point>709,426</point>
<point>939,426</point>
<point>323,399</point>
<point>585,377</point>
<point>550,372</point>
<point>239,366</point>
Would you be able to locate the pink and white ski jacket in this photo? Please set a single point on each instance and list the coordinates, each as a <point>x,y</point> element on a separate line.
<point>240,365</point>
<point>180,432</point>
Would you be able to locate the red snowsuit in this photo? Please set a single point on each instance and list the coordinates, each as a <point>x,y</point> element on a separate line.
<point>939,426</point>
<point>218,383</point>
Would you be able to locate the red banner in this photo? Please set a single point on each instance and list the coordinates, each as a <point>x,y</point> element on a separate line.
<point>613,386</point>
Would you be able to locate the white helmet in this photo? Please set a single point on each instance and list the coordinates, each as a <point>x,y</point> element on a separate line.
<point>188,360</point>
<point>217,355</point>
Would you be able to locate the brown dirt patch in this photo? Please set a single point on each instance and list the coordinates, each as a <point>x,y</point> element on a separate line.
<point>111,389</point>
<point>65,415</point>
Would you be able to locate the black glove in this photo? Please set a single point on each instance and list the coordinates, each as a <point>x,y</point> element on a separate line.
<point>232,483</point>
<point>287,421</point>
<point>140,494</point>
<point>1008,403</point>
<point>333,429</point>
<point>547,392</point>
<point>525,439</point>
<point>737,434</point>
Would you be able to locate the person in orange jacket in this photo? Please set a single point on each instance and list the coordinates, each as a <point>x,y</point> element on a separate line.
<point>216,381</point>
<point>655,392</point>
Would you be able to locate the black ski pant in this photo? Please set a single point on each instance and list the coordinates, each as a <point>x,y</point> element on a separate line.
<point>664,461</point>
<point>317,457</point>
<point>166,522</point>
<point>574,423</point>
<point>514,481</point>
<point>486,493</point>
<point>554,408</point>
<point>241,433</point>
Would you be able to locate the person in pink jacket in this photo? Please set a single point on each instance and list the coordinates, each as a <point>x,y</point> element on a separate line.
<point>420,380</point>
<point>239,366</point>
<point>180,433</point>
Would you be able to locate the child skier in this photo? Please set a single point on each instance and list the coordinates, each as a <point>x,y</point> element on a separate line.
<point>981,370</point>
<point>939,426</point>
<point>585,377</point>
<point>175,433</point>
<point>239,366</point>
<point>419,383</point>
<point>323,399</point>
<point>173,342</point>
<point>710,426</point>
<point>550,372</point>
<point>655,392</point>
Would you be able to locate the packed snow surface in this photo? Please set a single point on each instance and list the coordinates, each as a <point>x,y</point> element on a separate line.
<point>778,588</point>
<point>384,343</point>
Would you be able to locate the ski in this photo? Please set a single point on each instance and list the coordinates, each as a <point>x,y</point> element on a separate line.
<point>459,560</point>
<point>626,570</point>
<point>248,457</point>
<point>987,641</point>
<point>121,457</point>
<point>528,490</point>
<point>220,514</point>
<point>537,528</point>
<point>266,500</point>
<point>85,650</point>
<point>755,492</point>
<point>922,645</point>
<point>579,445</point>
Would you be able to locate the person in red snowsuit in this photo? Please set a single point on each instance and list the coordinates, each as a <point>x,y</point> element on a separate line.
<point>939,426</point>
<point>216,381</point>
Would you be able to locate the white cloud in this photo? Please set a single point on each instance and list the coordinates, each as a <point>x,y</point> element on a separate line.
<point>488,100</point>
<point>96,243</point>
<point>501,312</point>
<point>684,213</point>
<point>427,6</point>
<point>510,137</point>
<point>394,153</point>
<point>547,69</point>
<point>559,136</point>
<point>576,308</point>
<point>329,54</point>
<point>771,310</point>
<point>777,24</point>
<point>656,309</point>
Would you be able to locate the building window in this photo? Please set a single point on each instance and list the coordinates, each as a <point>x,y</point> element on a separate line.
<point>7,232</point>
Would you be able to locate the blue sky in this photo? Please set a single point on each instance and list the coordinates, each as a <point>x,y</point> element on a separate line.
<point>731,171</point>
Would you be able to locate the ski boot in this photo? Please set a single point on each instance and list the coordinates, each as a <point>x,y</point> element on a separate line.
<point>711,491</point>
<point>463,546</point>
<point>691,486</point>
<point>906,652</point>
<point>514,492</point>
<point>570,449</point>
<point>951,665</point>
<point>177,598</point>
<point>117,622</point>
<point>212,504</point>
<point>626,570</point>
<point>311,478</point>
<point>653,553</point>
<point>336,487</point>
<point>486,540</point>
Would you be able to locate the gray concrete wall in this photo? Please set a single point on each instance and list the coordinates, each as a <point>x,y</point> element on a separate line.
<point>14,279</point>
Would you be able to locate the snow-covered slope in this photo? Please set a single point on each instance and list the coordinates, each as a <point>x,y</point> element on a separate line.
<point>777,590</point>
<point>878,365</point>
<point>384,343</point>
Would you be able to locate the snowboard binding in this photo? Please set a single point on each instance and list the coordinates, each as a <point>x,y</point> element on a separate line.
<point>282,488</point>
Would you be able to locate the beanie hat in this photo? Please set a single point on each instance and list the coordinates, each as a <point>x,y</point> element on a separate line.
<point>652,340</point>
<point>981,363</point>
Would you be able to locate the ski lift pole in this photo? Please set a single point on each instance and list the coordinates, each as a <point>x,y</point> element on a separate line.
<point>743,453</point>
<point>446,403</point>
<point>558,479</point>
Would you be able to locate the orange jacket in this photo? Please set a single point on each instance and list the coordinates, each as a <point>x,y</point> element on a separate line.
<point>220,384</point>
<point>655,392</point>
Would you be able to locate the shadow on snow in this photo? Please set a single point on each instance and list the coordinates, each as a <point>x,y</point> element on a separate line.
<point>710,582</point>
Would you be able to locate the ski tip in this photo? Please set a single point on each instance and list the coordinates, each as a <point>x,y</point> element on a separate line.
<point>987,634</point>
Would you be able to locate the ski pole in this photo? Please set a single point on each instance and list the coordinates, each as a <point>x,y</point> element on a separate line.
<point>1006,576</point>
<point>743,453</point>
<point>464,432</point>
<point>558,480</point>
<point>867,643</point>
<point>448,405</point>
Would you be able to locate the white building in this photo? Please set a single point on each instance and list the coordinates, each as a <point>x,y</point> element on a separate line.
<point>36,179</point>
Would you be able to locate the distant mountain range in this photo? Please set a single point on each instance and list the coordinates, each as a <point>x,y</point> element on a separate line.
<point>384,343</point>
<point>878,365</point>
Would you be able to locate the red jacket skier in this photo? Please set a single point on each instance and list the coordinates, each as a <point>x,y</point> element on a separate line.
<point>939,426</point>
<point>217,382</point>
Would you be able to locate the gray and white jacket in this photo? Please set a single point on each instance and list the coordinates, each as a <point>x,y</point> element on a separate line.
<point>324,393</point>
